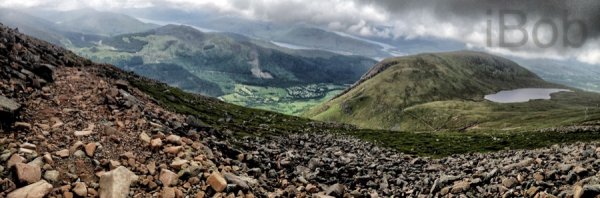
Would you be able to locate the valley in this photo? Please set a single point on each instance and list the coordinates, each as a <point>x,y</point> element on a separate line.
<point>282,80</point>
<point>292,100</point>
<point>108,106</point>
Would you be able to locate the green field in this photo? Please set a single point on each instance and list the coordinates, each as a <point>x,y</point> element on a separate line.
<point>279,99</point>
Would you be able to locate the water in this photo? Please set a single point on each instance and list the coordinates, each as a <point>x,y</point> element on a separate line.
<point>523,95</point>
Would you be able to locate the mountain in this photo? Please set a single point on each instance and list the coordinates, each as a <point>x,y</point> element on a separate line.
<point>224,62</point>
<point>72,127</point>
<point>31,25</point>
<point>214,64</point>
<point>78,28</point>
<point>445,91</point>
<point>289,35</point>
<point>90,21</point>
<point>316,38</point>
<point>566,72</point>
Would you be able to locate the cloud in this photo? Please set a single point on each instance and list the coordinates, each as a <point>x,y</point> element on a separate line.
<point>77,4</point>
<point>460,20</point>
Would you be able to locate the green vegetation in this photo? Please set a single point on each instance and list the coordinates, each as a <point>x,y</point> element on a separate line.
<point>444,92</point>
<point>449,143</point>
<point>243,121</point>
<point>291,100</point>
<point>221,65</point>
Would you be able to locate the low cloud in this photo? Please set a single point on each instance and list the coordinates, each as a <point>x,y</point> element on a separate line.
<point>460,20</point>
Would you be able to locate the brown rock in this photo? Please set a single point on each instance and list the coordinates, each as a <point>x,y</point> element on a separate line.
<point>28,173</point>
<point>217,182</point>
<point>145,138</point>
<point>29,146</point>
<point>80,189</point>
<point>239,181</point>
<point>461,186</point>
<point>168,177</point>
<point>68,195</point>
<point>52,175</point>
<point>75,147</point>
<point>90,149</point>
<point>538,176</point>
<point>156,143</point>
<point>62,153</point>
<point>168,192</point>
<point>22,125</point>
<point>115,183</point>
<point>82,133</point>
<point>14,159</point>
<point>151,167</point>
<point>200,194</point>
<point>174,139</point>
<point>173,149</point>
<point>178,163</point>
<point>311,188</point>
<point>509,182</point>
<point>531,192</point>
<point>35,190</point>
<point>48,158</point>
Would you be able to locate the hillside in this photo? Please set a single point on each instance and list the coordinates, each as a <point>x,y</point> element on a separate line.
<point>444,91</point>
<point>225,62</point>
<point>74,128</point>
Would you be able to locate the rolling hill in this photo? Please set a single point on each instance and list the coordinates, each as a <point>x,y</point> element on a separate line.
<point>444,91</point>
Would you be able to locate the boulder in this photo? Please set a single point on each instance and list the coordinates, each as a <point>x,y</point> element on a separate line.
<point>28,173</point>
<point>45,71</point>
<point>52,175</point>
<point>168,177</point>
<point>8,110</point>
<point>8,106</point>
<point>238,181</point>
<point>336,190</point>
<point>80,189</point>
<point>115,183</point>
<point>35,190</point>
<point>217,182</point>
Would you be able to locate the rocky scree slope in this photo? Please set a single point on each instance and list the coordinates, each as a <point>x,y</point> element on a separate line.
<point>79,130</point>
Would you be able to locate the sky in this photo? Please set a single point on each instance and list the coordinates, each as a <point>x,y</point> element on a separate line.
<point>472,22</point>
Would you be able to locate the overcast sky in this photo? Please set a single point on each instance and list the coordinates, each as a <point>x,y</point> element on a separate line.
<point>460,20</point>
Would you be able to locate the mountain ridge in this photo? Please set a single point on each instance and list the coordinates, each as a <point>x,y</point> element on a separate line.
<point>400,93</point>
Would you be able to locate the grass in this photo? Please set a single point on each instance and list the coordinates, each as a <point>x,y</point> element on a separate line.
<point>254,122</point>
<point>277,99</point>
<point>242,121</point>
<point>444,92</point>
<point>449,143</point>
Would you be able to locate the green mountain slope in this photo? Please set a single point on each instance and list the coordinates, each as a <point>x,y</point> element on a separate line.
<point>444,91</point>
<point>226,62</point>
